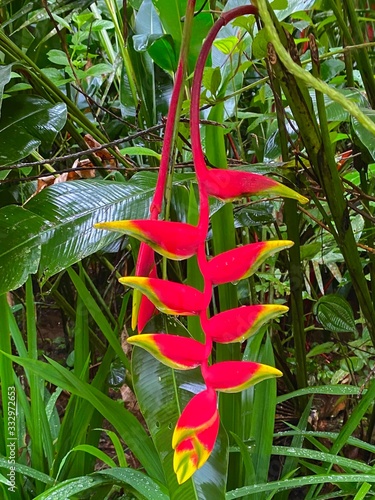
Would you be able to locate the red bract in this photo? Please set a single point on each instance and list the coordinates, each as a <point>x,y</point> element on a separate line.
<point>169,297</point>
<point>174,240</point>
<point>242,262</point>
<point>193,452</point>
<point>229,185</point>
<point>176,352</point>
<point>199,414</point>
<point>236,325</point>
<point>235,376</point>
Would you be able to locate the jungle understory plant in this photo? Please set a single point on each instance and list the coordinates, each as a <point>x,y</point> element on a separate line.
<point>197,427</point>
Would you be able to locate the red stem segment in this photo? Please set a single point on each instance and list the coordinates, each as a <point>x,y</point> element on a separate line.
<point>169,134</point>
<point>157,201</point>
<point>225,18</point>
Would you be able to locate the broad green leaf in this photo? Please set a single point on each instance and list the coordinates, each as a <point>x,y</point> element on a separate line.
<point>26,123</point>
<point>212,79</point>
<point>260,44</point>
<point>321,349</point>
<point>72,208</point>
<point>99,69</point>
<point>150,37</point>
<point>293,7</point>
<point>227,45</point>
<point>171,14</point>
<point>20,245</point>
<point>365,137</point>
<point>257,214</point>
<point>162,52</point>
<point>137,480</point>
<point>352,363</point>
<point>5,75</point>
<point>331,68</point>
<point>58,57</point>
<point>162,394</point>
<point>147,20</point>
<point>334,313</point>
<point>101,24</point>
<point>61,230</point>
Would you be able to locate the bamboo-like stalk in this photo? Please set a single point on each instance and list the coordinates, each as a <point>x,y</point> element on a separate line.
<point>321,158</point>
<point>292,220</point>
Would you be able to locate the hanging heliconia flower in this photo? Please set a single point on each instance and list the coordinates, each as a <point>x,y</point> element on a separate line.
<point>196,430</point>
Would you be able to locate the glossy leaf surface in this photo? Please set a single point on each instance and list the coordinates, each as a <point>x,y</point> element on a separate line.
<point>26,123</point>
<point>20,245</point>
<point>72,208</point>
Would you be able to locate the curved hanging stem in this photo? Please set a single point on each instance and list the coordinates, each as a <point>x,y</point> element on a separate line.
<point>224,19</point>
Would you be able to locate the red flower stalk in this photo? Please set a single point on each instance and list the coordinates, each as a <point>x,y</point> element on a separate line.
<point>223,184</point>
<point>196,429</point>
<point>142,306</point>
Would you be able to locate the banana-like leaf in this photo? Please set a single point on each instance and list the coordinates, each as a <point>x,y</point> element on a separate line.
<point>162,394</point>
<point>55,228</point>
<point>20,245</point>
<point>26,123</point>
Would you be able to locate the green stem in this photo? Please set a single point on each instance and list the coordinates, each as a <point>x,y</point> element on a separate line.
<point>292,220</point>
